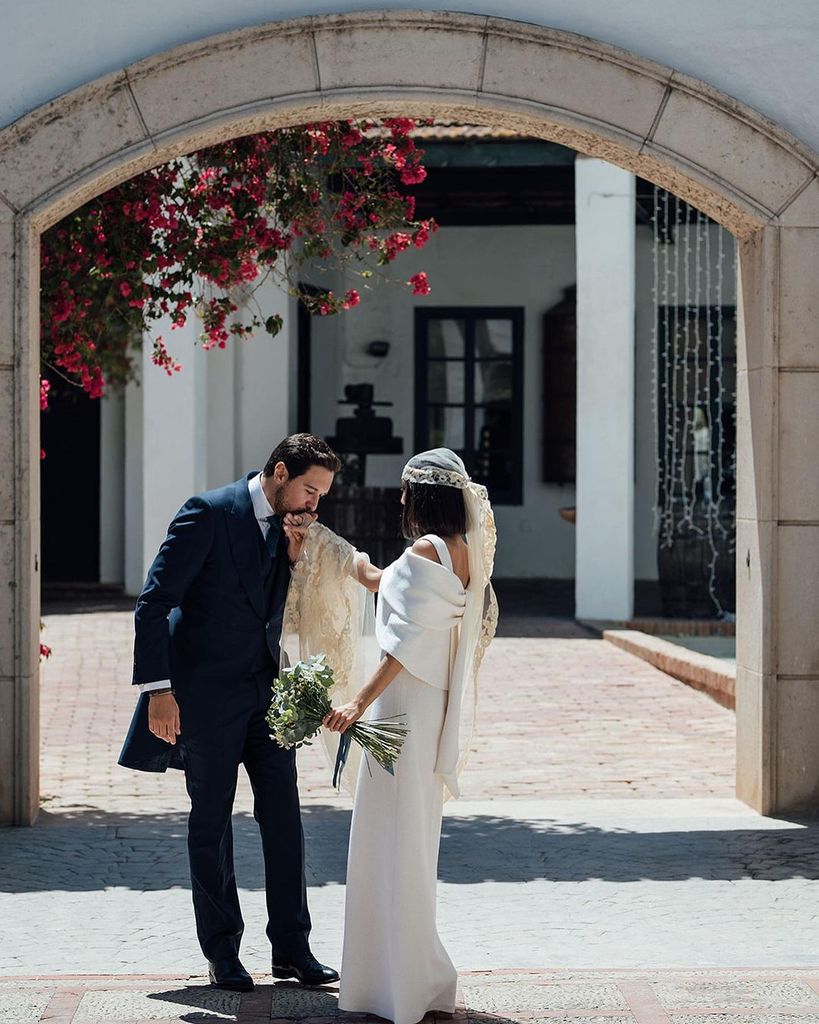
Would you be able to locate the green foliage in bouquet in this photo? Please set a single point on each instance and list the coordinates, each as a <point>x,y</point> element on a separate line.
<point>301,702</point>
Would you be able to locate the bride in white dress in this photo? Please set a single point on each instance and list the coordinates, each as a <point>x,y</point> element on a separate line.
<point>436,614</point>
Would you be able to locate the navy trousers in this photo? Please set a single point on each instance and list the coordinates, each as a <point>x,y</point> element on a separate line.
<point>222,727</point>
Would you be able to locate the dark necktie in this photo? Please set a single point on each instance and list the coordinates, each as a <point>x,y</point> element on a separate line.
<point>274,530</point>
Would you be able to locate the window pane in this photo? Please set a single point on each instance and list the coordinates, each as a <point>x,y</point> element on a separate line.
<point>494,469</point>
<point>493,338</point>
<point>445,382</point>
<point>493,381</point>
<point>446,428</point>
<point>445,339</point>
<point>493,428</point>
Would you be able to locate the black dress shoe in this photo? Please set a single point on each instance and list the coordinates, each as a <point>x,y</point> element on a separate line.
<point>229,974</point>
<point>304,968</point>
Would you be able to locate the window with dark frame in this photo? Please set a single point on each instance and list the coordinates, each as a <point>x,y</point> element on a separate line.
<point>469,391</point>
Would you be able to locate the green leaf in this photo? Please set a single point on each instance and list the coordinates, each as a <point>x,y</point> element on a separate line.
<point>273,325</point>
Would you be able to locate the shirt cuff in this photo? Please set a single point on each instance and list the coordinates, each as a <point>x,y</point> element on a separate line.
<point>160,684</point>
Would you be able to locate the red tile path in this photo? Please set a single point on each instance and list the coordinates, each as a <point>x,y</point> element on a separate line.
<point>563,716</point>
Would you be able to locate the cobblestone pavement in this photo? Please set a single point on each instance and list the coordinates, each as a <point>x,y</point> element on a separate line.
<point>598,831</point>
<point>573,997</point>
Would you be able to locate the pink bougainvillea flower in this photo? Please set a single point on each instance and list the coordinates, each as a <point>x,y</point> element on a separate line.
<point>419,284</point>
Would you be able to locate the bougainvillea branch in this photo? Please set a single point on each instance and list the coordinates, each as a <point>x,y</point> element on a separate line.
<point>197,235</point>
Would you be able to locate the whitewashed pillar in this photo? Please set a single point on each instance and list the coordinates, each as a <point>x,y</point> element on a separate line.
<point>262,383</point>
<point>605,244</point>
<point>165,447</point>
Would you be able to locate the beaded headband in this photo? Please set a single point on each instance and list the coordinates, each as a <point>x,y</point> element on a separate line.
<point>430,475</point>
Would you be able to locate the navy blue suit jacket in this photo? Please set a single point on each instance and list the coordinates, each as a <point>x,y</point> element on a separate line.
<point>202,617</point>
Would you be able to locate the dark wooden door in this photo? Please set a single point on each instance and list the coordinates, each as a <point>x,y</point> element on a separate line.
<point>70,487</point>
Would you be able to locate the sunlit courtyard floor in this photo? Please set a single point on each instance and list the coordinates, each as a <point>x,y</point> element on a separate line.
<point>597,865</point>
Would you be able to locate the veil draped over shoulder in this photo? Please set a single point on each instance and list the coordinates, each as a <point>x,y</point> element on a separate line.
<point>329,612</point>
<point>443,467</point>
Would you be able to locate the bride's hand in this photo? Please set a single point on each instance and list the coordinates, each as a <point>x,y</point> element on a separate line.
<point>340,719</point>
<point>295,526</point>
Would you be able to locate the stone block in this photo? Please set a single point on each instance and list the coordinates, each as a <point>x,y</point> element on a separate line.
<point>384,50</point>
<point>798,487</point>
<point>7,467</point>
<point>233,71</point>
<point>803,212</point>
<point>754,768</point>
<point>66,137</point>
<point>6,285</point>
<point>758,300</point>
<point>754,576</point>
<point>797,600</point>
<point>8,766</point>
<point>751,993</point>
<point>799,298</point>
<point>23,1006</point>
<point>562,78</point>
<point>201,1003</point>
<point>730,1017</point>
<point>19,750</point>
<point>797,752</point>
<point>8,592</point>
<point>729,148</point>
<point>528,995</point>
<point>757,396</point>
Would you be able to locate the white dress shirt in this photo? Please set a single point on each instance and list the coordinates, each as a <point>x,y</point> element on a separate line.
<point>261,509</point>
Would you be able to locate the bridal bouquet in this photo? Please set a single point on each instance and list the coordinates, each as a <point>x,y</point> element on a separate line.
<point>300,704</point>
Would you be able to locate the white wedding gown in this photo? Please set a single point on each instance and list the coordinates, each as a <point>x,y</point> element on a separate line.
<point>394,964</point>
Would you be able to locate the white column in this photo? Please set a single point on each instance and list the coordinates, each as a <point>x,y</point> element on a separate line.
<point>262,383</point>
<point>166,447</point>
<point>605,239</point>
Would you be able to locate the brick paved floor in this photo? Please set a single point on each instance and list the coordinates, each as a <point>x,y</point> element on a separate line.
<point>560,716</point>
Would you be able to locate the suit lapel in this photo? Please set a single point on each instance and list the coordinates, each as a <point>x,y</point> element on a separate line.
<point>244,543</point>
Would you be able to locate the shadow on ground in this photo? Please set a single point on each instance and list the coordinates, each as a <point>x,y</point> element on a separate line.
<point>91,850</point>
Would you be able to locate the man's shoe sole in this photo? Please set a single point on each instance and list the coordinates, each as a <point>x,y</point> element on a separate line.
<point>233,986</point>
<point>287,974</point>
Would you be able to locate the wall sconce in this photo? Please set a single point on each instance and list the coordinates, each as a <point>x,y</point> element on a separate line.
<point>377,349</point>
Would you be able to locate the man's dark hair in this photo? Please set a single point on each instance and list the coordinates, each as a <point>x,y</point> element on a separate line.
<point>432,508</point>
<point>301,451</point>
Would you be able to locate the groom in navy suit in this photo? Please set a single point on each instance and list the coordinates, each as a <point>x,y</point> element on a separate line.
<point>208,624</point>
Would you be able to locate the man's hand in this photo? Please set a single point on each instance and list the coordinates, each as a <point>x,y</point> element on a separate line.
<point>163,716</point>
<point>295,526</point>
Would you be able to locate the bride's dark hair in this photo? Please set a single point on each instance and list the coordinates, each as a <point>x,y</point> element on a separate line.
<point>432,508</point>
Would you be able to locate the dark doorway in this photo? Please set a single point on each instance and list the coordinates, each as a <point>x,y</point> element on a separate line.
<point>70,487</point>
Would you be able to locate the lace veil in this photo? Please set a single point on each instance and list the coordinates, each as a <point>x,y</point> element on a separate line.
<point>329,612</point>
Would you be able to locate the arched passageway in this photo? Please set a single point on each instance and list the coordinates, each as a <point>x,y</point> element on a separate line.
<point>722,157</point>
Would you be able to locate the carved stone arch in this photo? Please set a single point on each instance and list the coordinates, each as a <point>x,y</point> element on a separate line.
<point>726,159</point>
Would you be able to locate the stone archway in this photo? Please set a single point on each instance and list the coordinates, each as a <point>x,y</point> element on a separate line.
<point>742,170</point>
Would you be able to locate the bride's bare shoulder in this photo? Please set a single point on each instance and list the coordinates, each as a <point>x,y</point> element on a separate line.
<point>426,549</point>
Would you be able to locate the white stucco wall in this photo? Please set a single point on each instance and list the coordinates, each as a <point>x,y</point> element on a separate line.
<point>527,266</point>
<point>469,266</point>
<point>765,54</point>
